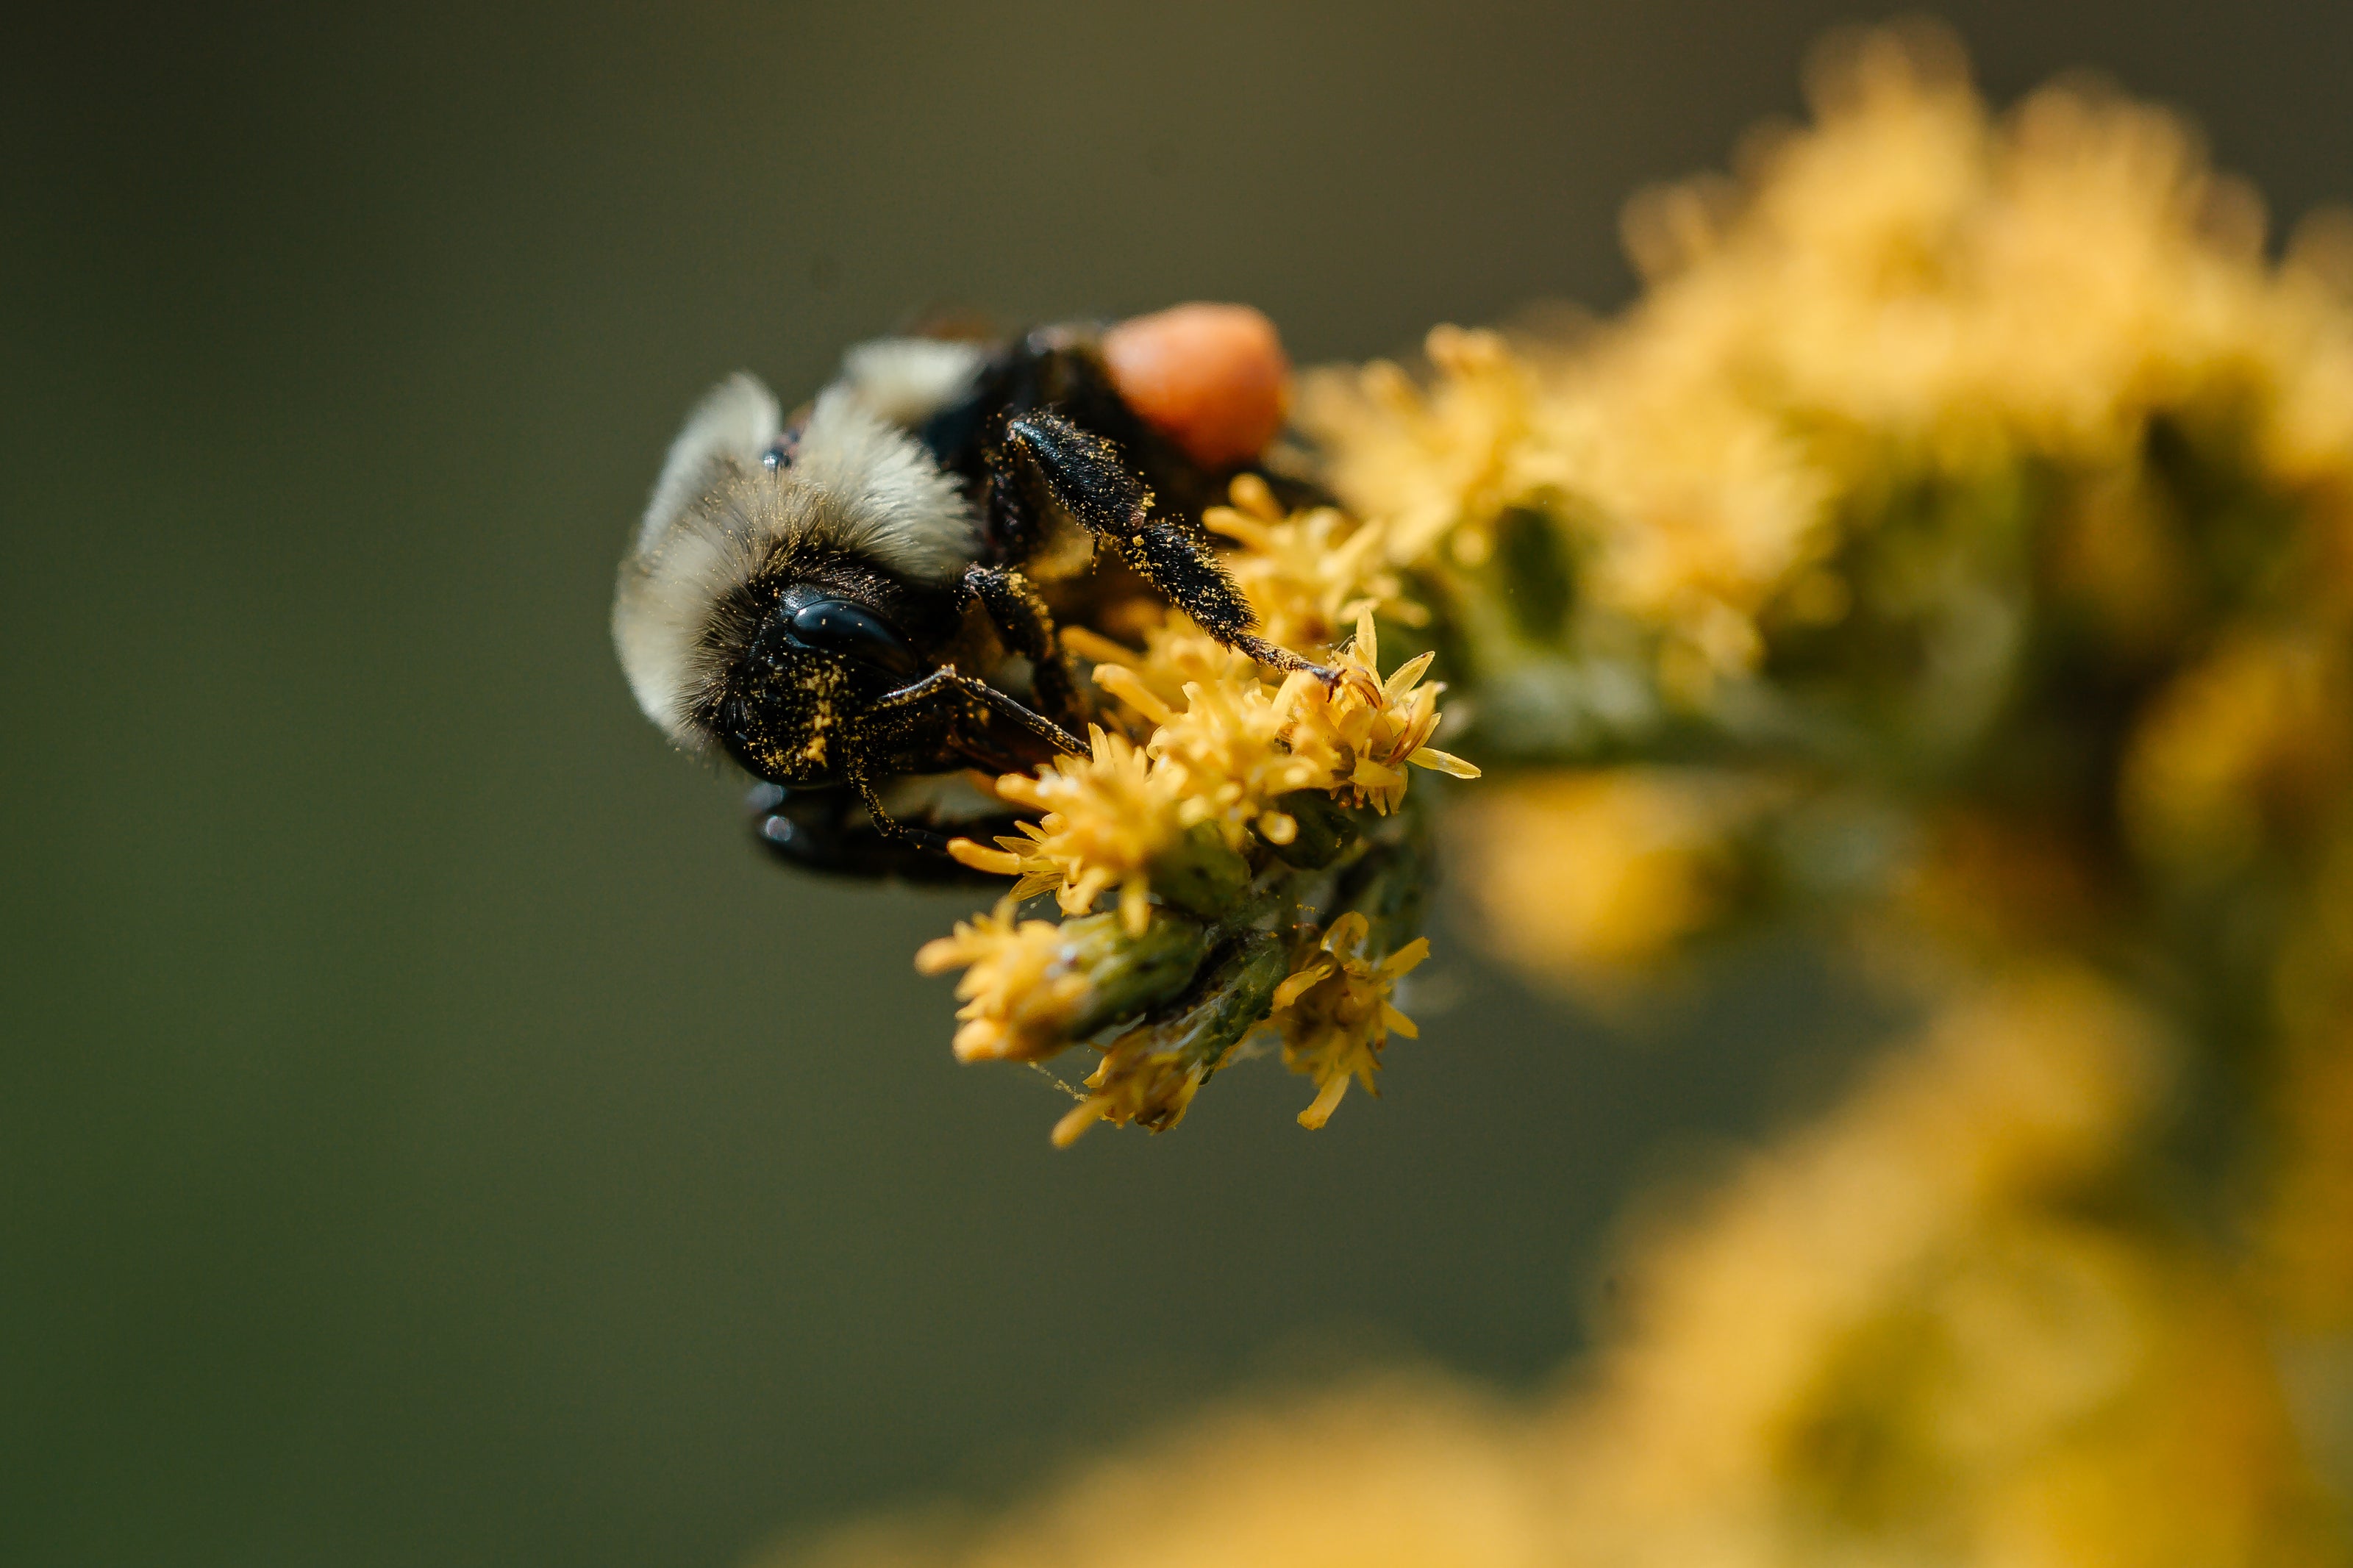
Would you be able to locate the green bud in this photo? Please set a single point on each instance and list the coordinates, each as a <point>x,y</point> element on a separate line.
<point>1234,992</point>
<point>1325,829</point>
<point>1201,873</point>
<point>1130,974</point>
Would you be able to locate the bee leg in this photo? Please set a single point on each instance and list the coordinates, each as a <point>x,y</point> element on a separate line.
<point>811,828</point>
<point>891,829</point>
<point>1178,563</point>
<point>1011,524</point>
<point>948,678</point>
<point>806,828</point>
<point>1087,477</point>
<point>1028,630</point>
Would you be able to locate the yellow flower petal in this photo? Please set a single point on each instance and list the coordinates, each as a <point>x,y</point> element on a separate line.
<point>1128,686</point>
<point>1077,1119</point>
<point>1291,990</point>
<point>1408,959</point>
<point>1327,1100</point>
<point>997,862</point>
<point>1443,761</point>
<point>1401,681</point>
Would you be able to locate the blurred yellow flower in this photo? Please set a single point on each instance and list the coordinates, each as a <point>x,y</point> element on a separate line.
<point>1585,877</point>
<point>1923,1331</point>
<point>2256,737</point>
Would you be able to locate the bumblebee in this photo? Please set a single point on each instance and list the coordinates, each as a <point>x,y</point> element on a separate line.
<point>848,603</point>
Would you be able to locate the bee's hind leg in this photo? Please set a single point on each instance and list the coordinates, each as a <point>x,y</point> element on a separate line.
<point>1177,562</point>
<point>1088,479</point>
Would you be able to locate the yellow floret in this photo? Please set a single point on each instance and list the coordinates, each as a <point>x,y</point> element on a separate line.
<point>1333,1014</point>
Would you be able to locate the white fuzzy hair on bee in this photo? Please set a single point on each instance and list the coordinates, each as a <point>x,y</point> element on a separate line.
<point>906,380</point>
<point>719,517</point>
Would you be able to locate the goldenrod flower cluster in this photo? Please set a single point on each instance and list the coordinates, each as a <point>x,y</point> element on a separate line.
<point>1232,807</point>
<point>1948,556</point>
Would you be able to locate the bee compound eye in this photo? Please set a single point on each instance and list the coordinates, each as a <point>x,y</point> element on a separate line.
<point>836,625</point>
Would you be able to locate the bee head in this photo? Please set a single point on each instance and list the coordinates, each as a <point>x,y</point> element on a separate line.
<point>782,583</point>
<point>800,700</point>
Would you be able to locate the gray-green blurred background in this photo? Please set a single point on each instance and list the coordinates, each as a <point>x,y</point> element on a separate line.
<point>428,1135</point>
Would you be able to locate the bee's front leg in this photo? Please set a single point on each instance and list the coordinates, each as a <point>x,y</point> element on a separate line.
<point>1027,627</point>
<point>947,680</point>
<point>813,829</point>
<point>891,829</point>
